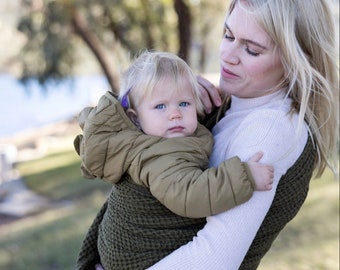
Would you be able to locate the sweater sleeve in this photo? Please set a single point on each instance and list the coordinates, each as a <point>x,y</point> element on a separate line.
<point>178,180</point>
<point>225,239</point>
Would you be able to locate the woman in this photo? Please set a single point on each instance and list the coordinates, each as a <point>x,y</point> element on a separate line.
<point>278,64</point>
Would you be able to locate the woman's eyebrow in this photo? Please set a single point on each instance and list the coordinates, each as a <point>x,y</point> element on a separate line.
<point>247,40</point>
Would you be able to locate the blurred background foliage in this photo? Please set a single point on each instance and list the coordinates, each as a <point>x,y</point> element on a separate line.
<point>58,32</point>
<point>54,40</point>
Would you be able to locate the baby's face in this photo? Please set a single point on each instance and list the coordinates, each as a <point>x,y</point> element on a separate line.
<point>170,111</point>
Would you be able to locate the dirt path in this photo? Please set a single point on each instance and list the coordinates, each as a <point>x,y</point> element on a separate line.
<point>17,201</point>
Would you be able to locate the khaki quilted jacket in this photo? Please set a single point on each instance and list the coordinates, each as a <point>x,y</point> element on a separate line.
<point>175,170</point>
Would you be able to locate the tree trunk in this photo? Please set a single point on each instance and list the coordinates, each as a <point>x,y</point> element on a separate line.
<point>184,28</point>
<point>82,29</point>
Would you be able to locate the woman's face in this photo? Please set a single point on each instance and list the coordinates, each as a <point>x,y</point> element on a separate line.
<point>250,62</point>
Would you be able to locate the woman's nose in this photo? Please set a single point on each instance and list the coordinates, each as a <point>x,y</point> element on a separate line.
<point>229,52</point>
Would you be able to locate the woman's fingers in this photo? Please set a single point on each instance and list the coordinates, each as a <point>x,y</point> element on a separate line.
<point>210,94</point>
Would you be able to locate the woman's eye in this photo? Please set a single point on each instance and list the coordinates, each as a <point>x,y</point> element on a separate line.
<point>184,104</point>
<point>251,52</point>
<point>227,36</point>
<point>160,106</point>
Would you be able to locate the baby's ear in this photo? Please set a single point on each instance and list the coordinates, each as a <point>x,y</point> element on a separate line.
<point>131,113</point>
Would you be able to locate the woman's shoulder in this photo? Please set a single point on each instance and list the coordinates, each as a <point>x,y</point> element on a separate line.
<point>272,120</point>
<point>277,132</point>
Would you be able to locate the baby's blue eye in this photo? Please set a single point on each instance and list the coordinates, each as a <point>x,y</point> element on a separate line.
<point>184,104</point>
<point>160,106</point>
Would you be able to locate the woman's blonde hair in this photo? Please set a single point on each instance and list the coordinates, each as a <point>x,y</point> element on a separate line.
<point>151,67</point>
<point>304,31</point>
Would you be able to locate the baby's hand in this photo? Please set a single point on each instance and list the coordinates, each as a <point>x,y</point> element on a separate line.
<point>99,267</point>
<point>263,174</point>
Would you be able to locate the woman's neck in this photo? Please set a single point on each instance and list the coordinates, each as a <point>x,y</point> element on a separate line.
<point>249,103</point>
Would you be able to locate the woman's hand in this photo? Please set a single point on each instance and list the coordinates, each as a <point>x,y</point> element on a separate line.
<point>210,94</point>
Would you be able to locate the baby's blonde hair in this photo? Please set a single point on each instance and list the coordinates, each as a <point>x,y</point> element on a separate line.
<point>148,69</point>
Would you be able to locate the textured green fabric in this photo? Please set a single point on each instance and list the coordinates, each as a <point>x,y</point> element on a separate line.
<point>290,195</point>
<point>88,256</point>
<point>144,231</point>
<point>140,230</point>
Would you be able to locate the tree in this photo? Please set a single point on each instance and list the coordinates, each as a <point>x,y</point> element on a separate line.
<point>55,30</point>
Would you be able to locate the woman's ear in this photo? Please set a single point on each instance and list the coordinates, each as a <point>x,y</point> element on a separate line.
<point>131,113</point>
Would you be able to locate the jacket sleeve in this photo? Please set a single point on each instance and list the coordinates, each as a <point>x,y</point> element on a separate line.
<point>109,141</point>
<point>178,181</point>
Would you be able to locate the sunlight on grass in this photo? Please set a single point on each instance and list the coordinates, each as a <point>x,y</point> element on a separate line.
<point>311,240</point>
<point>54,160</point>
<point>49,240</point>
<point>58,176</point>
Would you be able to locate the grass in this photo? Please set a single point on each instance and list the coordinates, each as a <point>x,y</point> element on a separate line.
<point>50,240</point>
<point>311,240</point>
<point>58,177</point>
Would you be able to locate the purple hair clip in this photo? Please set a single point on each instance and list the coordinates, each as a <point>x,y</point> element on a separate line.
<point>125,100</point>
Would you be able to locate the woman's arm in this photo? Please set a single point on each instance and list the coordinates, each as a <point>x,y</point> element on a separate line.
<point>224,241</point>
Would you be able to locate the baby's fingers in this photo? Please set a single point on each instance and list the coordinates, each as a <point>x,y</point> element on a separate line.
<point>256,157</point>
<point>270,177</point>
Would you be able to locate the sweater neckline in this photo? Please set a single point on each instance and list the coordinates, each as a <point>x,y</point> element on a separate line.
<point>240,104</point>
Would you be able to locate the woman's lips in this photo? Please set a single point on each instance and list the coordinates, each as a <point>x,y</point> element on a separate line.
<point>226,73</point>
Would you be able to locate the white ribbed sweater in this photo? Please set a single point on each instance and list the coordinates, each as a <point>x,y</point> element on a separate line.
<point>250,125</point>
